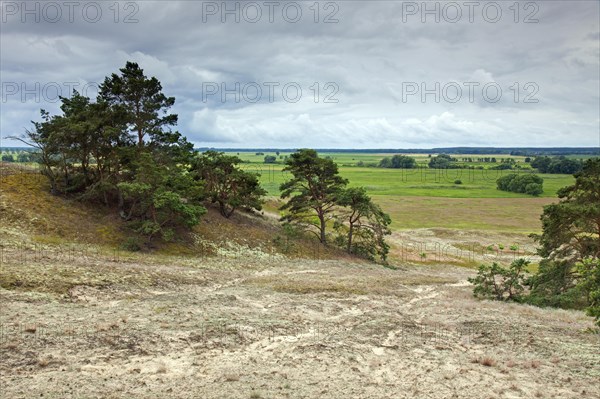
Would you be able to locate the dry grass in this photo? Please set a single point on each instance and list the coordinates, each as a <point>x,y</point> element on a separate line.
<point>30,328</point>
<point>26,202</point>
<point>230,377</point>
<point>378,281</point>
<point>534,364</point>
<point>312,287</point>
<point>31,216</point>
<point>496,214</point>
<point>65,279</point>
<point>11,346</point>
<point>484,361</point>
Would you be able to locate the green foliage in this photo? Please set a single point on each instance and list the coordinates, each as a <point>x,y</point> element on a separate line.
<point>521,183</point>
<point>398,162</point>
<point>158,199</point>
<point>502,166</point>
<point>318,195</point>
<point>312,191</point>
<point>362,225</point>
<point>500,283</point>
<point>287,241</point>
<point>571,228</point>
<point>556,165</point>
<point>589,282</point>
<point>568,276</point>
<point>26,157</point>
<point>270,159</point>
<point>442,161</point>
<point>121,151</point>
<point>457,181</point>
<point>132,244</point>
<point>226,184</point>
<point>7,158</point>
<point>140,101</point>
<point>552,284</point>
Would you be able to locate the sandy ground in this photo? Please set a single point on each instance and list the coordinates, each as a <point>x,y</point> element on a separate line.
<point>460,247</point>
<point>96,326</point>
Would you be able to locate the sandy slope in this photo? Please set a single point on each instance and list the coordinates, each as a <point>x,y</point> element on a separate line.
<point>273,328</point>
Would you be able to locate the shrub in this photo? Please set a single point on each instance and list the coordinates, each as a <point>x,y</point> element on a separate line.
<point>557,165</point>
<point>533,189</point>
<point>500,283</point>
<point>442,161</point>
<point>287,242</point>
<point>132,244</point>
<point>398,162</point>
<point>553,285</point>
<point>25,157</point>
<point>457,181</point>
<point>525,183</point>
<point>502,166</point>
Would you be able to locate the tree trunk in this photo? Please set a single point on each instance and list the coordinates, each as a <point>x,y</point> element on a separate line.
<point>223,210</point>
<point>322,237</point>
<point>350,232</point>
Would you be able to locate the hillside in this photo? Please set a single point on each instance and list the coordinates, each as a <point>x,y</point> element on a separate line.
<point>229,312</point>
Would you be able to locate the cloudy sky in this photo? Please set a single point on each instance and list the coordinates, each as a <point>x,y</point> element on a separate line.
<point>329,74</point>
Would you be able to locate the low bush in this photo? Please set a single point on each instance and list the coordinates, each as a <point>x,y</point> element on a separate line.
<point>500,283</point>
<point>530,184</point>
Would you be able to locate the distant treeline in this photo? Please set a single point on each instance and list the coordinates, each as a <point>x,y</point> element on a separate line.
<point>521,151</point>
<point>544,164</point>
<point>557,165</point>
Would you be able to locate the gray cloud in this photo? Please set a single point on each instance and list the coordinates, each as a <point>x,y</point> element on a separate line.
<point>364,62</point>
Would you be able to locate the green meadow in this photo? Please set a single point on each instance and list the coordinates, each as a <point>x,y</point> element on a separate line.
<point>430,198</point>
<point>475,183</point>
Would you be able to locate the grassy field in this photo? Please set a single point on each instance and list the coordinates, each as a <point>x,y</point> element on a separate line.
<point>418,182</point>
<point>352,158</point>
<point>476,183</point>
<point>429,198</point>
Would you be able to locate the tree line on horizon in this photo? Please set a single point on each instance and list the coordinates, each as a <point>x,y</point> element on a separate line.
<point>543,164</point>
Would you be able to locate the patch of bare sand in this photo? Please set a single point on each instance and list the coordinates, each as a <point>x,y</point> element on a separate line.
<point>460,247</point>
<point>245,331</point>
